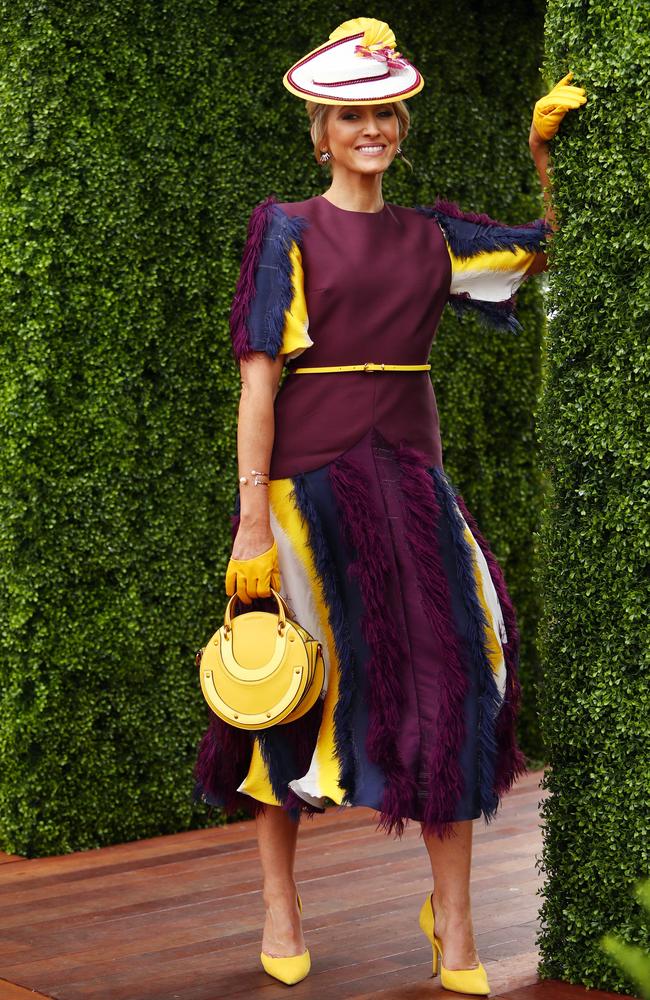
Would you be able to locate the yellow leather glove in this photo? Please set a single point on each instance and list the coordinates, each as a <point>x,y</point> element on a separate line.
<point>551,109</point>
<point>252,578</point>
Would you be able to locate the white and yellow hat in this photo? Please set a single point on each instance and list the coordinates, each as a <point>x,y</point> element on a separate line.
<point>357,65</point>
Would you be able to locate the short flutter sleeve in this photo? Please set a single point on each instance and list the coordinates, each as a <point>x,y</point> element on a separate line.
<point>269,311</point>
<point>489,260</point>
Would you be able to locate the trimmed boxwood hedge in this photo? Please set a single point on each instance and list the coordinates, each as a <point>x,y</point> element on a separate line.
<point>135,138</point>
<point>595,533</point>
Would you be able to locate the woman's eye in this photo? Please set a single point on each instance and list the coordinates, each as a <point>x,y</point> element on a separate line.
<point>349,115</point>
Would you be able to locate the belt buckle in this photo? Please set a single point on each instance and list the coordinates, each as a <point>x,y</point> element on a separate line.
<point>366,367</point>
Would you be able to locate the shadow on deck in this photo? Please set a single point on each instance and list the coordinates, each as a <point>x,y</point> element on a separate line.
<point>179,917</point>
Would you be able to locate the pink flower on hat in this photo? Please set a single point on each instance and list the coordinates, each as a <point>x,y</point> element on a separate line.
<point>387,55</point>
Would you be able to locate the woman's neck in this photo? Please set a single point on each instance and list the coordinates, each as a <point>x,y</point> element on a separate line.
<point>356,192</point>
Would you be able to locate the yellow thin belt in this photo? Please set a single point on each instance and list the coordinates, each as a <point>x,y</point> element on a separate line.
<point>369,366</point>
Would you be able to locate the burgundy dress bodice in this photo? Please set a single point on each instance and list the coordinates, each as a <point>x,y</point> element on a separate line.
<point>375,286</point>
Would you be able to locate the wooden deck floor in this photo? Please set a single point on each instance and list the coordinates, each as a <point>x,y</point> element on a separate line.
<point>180,917</point>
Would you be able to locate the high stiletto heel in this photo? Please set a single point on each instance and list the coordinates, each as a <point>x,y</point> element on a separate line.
<point>460,980</point>
<point>289,969</point>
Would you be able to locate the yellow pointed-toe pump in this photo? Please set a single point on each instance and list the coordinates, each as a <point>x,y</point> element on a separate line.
<point>291,968</point>
<point>460,980</point>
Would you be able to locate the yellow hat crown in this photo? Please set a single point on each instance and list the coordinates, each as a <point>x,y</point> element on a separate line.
<point>377,34</point>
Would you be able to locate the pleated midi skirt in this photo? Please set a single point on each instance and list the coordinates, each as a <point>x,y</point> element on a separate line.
<point>383,563</point>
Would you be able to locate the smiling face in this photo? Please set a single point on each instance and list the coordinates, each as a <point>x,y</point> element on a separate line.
<point>362,138</point>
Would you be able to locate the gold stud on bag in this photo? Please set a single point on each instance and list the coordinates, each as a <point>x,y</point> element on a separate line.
<point>261,669</point>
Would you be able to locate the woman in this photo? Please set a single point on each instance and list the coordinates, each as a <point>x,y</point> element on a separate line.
<point>345,508</point>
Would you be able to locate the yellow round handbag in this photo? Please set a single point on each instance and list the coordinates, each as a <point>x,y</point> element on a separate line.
<point>261,669</point>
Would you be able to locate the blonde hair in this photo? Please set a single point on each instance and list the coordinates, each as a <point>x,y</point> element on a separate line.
<point>318,123</point>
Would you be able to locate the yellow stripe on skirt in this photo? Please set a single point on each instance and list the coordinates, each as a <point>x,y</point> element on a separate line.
<point>301,588</point>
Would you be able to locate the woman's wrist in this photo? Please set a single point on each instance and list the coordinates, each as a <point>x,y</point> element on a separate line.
<point>535,141</point>
<point>252,520</point>
<point>252,540</point>
<point>254,509</point>
<point>254,497</point>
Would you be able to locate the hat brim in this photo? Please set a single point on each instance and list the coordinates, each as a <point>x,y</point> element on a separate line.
<point>399,85</point>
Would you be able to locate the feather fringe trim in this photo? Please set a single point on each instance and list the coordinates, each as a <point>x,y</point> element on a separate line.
<point>421,527</point>
<point>269,239</point>
<point>343,729</point>
<point>258,224</point>
<point>287,749</point>
<point>297,806</point>
<point>510,762</point>
<point>288,232</point>
<point>222,762</point>
<point>360,526</point>
<point>489,696</point>
<point>471,233</point>
<point>496,315</point>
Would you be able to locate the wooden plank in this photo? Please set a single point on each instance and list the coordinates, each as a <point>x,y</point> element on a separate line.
<point>555,989</point>
<point>201,883</point>
<point>9,991</point>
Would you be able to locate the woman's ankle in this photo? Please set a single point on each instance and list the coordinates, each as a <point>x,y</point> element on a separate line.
<point>451,909</point>
<point>281,891</point>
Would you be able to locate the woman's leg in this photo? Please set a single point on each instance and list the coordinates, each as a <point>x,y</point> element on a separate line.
<point>451,861</point>
<point>277,834</point>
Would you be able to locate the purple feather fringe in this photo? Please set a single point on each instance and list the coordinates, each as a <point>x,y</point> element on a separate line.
<point>222,763</point>
<point>245,290</point>
<point>510,762</point>
<point>267,225</point>
<point>421,522</point>
<point>372,568</point>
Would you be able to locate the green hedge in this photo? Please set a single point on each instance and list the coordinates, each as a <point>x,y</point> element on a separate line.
<point>135,139</point>
<point>595,536</point>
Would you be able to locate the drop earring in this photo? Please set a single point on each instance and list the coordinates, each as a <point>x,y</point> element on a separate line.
<point>399,151</point>
<point>325,156</point>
